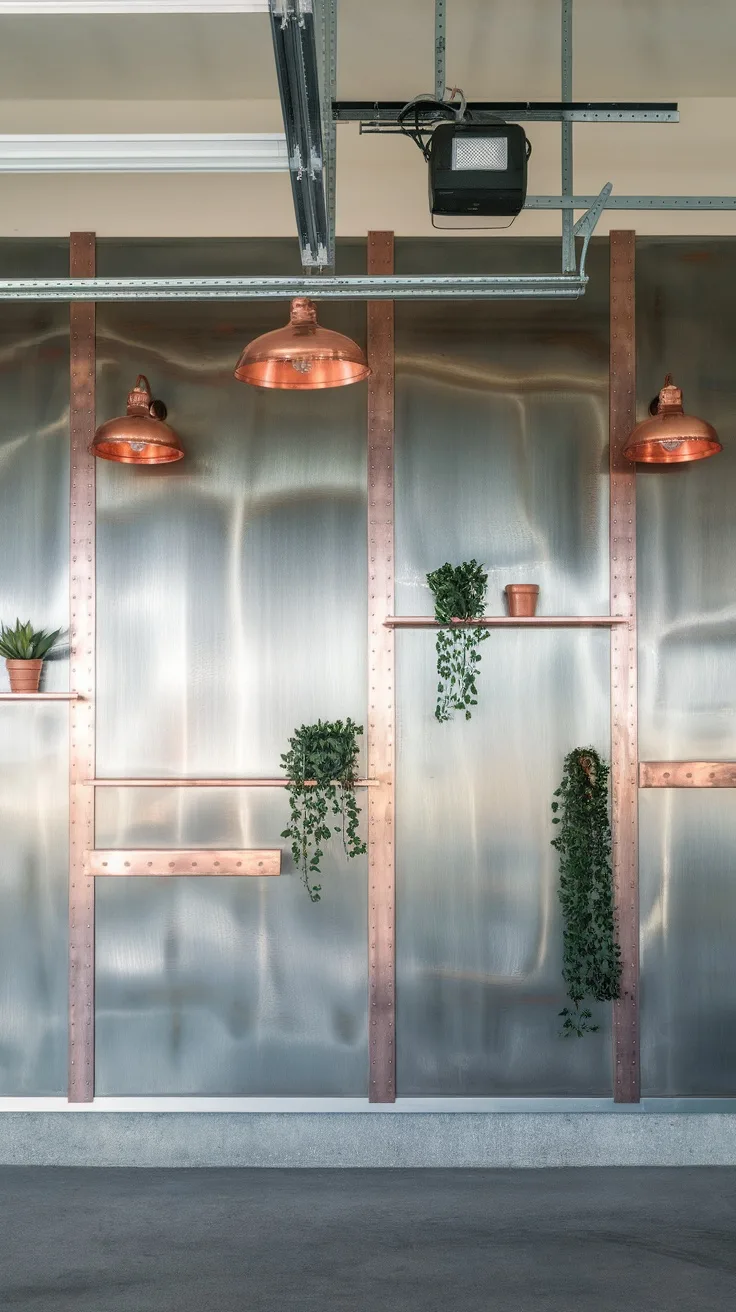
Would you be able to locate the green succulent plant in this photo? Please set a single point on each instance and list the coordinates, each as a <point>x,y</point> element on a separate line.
<point>459,594</point>
<point>321,766</point>
<point>24,643</point>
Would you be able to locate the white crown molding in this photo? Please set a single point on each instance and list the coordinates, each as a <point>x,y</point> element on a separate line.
<point>58,7</point>
<point>263,152</point>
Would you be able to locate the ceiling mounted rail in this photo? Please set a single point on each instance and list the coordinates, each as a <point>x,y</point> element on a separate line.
<point>295,42</point>
<point>394,287</point>
<point>382,115</point>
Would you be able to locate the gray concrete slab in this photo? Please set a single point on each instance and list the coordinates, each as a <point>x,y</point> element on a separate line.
<point>366,1139</point>
<point>124,1240</point>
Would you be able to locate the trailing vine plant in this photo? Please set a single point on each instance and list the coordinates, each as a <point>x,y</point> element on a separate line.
<point>591,955</point>
<point>459,594</point>
<point>321,766</point>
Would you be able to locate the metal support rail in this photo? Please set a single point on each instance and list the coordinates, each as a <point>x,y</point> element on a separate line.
<point>382,115</point>
<point>393,287</point>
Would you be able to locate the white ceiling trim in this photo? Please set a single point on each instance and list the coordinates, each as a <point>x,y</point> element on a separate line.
<point>263,152</point>
<point>57,7</point>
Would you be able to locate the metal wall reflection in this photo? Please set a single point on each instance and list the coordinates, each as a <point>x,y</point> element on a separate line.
<point>239,612</point>
<point>34,528</point>
<point>687,674</point>
<point>502,430</point>
<point>233,607</point>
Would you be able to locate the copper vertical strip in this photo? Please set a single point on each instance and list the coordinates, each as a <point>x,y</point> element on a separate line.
<point>82,678</point>
<point>624,816</point>
<point>381,713</point>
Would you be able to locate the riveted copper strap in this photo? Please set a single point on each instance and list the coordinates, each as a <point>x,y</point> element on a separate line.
<point>381,684</point>
<point>624,780</point>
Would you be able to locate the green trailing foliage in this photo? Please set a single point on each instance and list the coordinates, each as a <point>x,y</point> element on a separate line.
<point>328,755</point>
<point>459,594</point>
<point>591,955</point>
<point>23,643</point>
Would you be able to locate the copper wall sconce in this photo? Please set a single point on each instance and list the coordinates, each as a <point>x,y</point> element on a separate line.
<point>670,436</point>
<point>302,356</point>
<point>139,437</point>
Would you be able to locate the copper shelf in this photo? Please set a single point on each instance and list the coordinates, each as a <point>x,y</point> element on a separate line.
<point>209,783</point>
<point>39,696</point>
<point>508,622</point>
<point>687,774</point>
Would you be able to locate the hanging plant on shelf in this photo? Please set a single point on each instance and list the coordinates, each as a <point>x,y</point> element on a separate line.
<point>459,594</point>
<point>591,954</point>
<point>321,766</point>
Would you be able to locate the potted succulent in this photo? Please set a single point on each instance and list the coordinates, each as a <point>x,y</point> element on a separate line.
<point>24,650</point>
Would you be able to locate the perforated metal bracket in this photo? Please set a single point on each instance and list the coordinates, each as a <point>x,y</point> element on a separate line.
<point>586,224</point>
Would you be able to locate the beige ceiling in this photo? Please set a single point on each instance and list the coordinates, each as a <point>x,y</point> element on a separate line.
<point>497,49</point>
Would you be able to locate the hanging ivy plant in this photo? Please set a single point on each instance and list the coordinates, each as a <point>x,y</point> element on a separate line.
<point>591,955</point>
<point>459,594</point>
<point>326,754</point>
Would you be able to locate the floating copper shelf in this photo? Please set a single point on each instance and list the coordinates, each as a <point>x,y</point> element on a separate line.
<point>687,774</point>
<point>175,862</point>
<point>508,622</point>
<point>210,783</point>
<point>40,696</point>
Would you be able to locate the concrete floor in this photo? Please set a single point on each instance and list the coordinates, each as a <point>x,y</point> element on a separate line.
<point>125,1240</point>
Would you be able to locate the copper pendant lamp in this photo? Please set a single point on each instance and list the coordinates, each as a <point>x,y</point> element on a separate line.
<point>670,436</point>
<point>139,437</point>
<point>302,356</point>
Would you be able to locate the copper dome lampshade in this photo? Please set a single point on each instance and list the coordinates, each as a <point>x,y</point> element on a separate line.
<point>670,436</point>
<point>139,437</point>
<point>302,356</point>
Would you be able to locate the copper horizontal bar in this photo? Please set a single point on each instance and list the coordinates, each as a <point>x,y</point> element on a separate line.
<point>39,697</point>
<point>509,622</point>
<point>211,783</point>
<point>687,774</point>
<point>157,862</point>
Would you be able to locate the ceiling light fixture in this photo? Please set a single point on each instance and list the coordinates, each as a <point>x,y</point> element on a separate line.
<point>302,356</point>
<point>168,152</point>
<point>670,436</point>
<point>139,437</point>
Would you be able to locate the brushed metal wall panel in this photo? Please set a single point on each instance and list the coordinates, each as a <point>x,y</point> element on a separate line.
<point>685,522</point>
<point>687,694</point>
<point>688,983</point>
<point>34,527</point>
<point>502,431</point>
<point>239,586</point>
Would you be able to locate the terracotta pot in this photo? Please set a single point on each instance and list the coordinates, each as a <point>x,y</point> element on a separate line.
<point>24,676</point>
<point>522,598</point>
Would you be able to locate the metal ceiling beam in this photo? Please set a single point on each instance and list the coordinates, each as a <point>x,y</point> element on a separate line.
<point>383,114</point>
<point>294,33</point>
<point>395,287</point>
<point>568,237</point>
<point>440,71</point>
<point>632,202</point>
